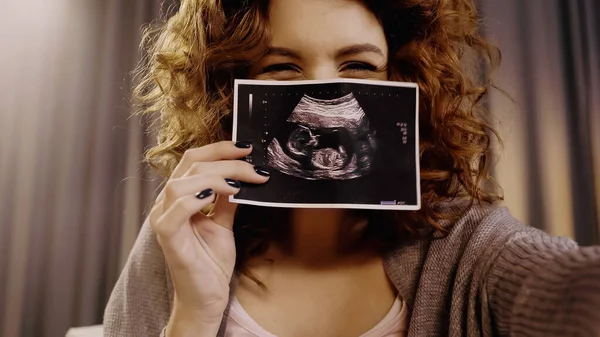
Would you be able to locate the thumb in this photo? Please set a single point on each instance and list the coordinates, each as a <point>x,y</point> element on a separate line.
<point>223,212</point>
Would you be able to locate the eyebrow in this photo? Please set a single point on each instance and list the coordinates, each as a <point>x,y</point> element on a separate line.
<point>359,48</point>
<point>281,51</point>
<point>346,51</point>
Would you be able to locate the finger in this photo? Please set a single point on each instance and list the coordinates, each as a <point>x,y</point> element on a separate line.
<point>179,212</point>
<point>234,169</point>
<point>160,197</point>
<point>225,150</point>
<point>169,223</point>
<point>153,216</point>
<point>188,185</point>
<point>223,213</point>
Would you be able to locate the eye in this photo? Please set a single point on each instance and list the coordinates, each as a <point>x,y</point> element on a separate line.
<point>280,67</point>
<point>358,66</point>
<point>281,72</point>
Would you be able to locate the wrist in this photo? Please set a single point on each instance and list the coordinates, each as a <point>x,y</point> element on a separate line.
<point>193,322</point>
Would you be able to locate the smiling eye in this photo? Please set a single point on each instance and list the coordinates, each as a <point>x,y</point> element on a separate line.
<point>279,67</point>
<point>358,66</point>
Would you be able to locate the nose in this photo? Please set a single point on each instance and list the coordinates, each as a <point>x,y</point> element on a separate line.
<point>322,71</point>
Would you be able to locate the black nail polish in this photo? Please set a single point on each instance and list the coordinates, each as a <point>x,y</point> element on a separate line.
<point>243,145</point>
<point>204,194</point>
<point>262,171</point>
<point>233,183</point>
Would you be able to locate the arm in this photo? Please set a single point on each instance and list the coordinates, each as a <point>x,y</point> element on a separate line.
<point>140,303</point>
<point>545,286</point>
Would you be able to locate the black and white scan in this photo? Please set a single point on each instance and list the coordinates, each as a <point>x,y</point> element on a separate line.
<point>332,139</point>
<point>343,143</point>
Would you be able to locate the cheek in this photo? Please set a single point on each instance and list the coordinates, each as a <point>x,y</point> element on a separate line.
<point>379,76</point>
<point>263,77</point>
<point>384,75</point>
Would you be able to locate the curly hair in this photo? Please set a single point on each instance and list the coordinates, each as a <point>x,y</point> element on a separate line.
<point>186,83</point>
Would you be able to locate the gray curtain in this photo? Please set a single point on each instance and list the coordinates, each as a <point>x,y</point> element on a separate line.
<point>74,191</point>
<point>550,164</point>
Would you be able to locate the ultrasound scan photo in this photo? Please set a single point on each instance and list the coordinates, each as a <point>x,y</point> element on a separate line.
<point>342,143</point>
<point>332,140</point>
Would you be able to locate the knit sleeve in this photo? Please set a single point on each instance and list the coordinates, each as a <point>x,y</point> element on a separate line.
<point>140,303</point>
<point>545,286</point>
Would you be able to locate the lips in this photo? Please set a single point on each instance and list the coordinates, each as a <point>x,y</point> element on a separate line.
<point>331,140</point>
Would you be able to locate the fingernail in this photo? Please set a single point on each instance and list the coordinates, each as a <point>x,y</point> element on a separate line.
<point>233,183</point>
<point>262,171</point>
<point>243,145</point>
<point>204,194</point>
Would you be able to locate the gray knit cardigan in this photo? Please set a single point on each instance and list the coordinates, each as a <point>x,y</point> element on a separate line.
<point>487,276</point>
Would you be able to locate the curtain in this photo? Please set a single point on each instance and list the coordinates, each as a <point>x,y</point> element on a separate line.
<point>74,191</point>
<point>549,166</point>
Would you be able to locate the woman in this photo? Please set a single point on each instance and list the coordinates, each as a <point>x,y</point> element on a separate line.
<point>459,266</point>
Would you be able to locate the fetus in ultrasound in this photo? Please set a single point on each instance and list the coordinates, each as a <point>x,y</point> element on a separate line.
<point>324,139</point>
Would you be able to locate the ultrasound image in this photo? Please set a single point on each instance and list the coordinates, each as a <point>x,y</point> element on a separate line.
<point>332,139</point>
<point>339,143</point>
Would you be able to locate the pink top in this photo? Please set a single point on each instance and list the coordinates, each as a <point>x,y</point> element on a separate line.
<point>240,324</point>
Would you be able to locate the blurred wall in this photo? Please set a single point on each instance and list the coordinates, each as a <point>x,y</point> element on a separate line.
<point>550,164</point>
<point>69,158</point>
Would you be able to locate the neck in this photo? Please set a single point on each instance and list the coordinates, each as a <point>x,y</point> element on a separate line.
<point>321,236</point>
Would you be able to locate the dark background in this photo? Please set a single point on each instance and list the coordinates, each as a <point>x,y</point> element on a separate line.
<point>394,172</point>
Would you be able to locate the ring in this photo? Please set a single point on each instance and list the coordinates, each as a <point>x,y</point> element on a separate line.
<point>209,209</point>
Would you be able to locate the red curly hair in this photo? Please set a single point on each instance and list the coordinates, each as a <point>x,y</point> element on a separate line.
<point>192,59</point>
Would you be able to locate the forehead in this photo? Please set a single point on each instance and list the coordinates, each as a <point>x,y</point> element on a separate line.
<point>307,25</point>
